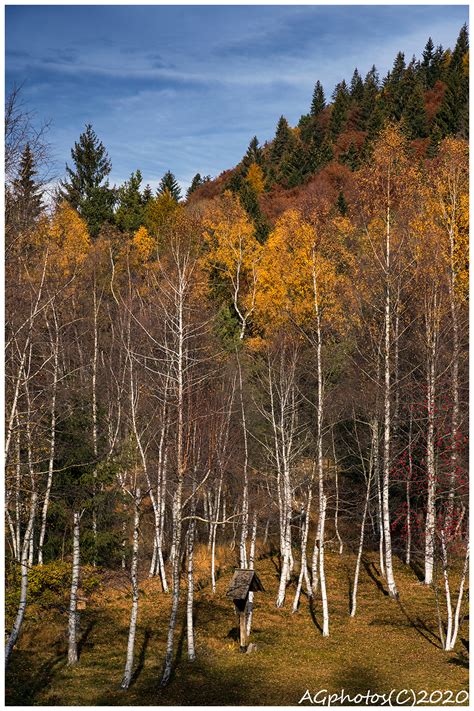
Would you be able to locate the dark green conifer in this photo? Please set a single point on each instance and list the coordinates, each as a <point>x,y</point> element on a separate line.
<point>85,189</point>
<point>341,101</point>
<point>318,102</point>
<point>282,141</point>
<point>351,157</point>
<point>129,215</point>
<point>414,113</point>
<point>254,154</point>
<point>25,201</point>
<point>169,184</point>
<point>357,87</point>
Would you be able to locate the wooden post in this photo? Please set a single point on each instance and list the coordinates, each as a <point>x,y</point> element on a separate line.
<point>243,582</point>
<point>241,608</point>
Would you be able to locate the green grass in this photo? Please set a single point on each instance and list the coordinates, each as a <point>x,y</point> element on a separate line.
<point>388,645</point>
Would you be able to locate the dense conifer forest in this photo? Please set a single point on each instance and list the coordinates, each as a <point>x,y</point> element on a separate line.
<point>269,372</point>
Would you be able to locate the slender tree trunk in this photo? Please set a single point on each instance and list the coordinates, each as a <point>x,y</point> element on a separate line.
<point>355,585</point>
<point>253,539</point>
<point>336,512</point>
<point>52,442</point>
<point>15,631</point>
<point>455,374</point>
<point>392,589</point>
<point>245,492</point>
<point>177,499</point>
<point>73,624</point>
<point>94,423</point>
<point>304,542</point>
<point>127,676</point>
<point>322,573</point>
<point>457,613</point>
<point>190,595</point>
<point>408,489</point>
<point>431,335</point>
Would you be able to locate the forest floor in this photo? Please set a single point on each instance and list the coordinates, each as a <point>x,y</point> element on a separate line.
<point>388,645</point>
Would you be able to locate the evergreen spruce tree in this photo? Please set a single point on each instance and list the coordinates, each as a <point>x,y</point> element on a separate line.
<point>282,141</point>
<point>25,201</point>
<point>394,89</point>
<point>253,155</point>
<point>414,114</point>
<point>368,102</point>
<point>398,69</point>
<point>350,157</point>
<point>318,102</point>
<point>169,184</point>
<point>460,50</point>
<point>320,155</point>
<point>357,87</point>
<point>427,64</point>
<point>341,99</point>
<point>147,194</point>
<point>129,216</point>
<point>195,183</point>
<point>294,167</point>
<point>437,65</point>
<point>84,188</point>
<point>436,137</point>
<point>453,115</point>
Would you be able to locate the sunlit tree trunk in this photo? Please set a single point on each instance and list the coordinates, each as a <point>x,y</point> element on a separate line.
<point>432,324</point>
<point>73,624</point>
<point>127,676</point>
<point>392,589</point>
<point>52,441</point>
<point>15,631</point>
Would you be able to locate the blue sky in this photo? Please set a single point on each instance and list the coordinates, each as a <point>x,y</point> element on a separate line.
<point>185,88</point>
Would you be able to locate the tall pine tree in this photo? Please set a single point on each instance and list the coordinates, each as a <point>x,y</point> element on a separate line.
<point>85,189</point>
<point>25,199</point>
<point>318,102</point>
<point>282,141</point>
<point>130,212</point>
<point>169,184</point>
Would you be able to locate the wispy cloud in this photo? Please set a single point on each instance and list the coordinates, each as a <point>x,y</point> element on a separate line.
<point>185,88</point>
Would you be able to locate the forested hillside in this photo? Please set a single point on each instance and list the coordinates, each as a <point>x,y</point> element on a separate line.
<point>274,367</point>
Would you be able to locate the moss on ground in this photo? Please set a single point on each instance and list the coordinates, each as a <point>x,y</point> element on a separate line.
<point>387,645</point>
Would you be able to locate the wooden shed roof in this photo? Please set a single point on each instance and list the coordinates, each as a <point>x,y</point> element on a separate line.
<point>244,581</point>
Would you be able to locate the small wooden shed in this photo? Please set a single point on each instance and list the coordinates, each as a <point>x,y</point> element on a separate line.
<point>243,582</point>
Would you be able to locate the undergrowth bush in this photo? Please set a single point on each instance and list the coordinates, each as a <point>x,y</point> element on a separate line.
<point>48,585</point>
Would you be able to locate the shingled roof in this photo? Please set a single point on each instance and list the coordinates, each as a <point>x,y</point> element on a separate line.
<point>244,581</point>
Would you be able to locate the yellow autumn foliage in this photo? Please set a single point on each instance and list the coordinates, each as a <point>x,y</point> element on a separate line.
<point>255,178</point>
<point>143,244</point>
<point>232,249</point>
<point>68,239</point>
<point>295,276</point>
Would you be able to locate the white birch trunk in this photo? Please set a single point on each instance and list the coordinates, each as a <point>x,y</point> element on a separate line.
<point>127,676</point>
<point>392,589</point>
<point>304,565</point>
<point>15,631</point>
<point>73,623</point>
<point>249,609</point>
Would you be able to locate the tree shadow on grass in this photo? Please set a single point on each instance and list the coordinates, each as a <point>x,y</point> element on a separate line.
<point>421,627</point>
<point>313,614</point>
<point>141,656</point>
<point>372,572</point>
<point>418,570</point>
<point>460,660</point>
<point>276,564</point>
<point>22,687</point>
<point>357,680</point>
